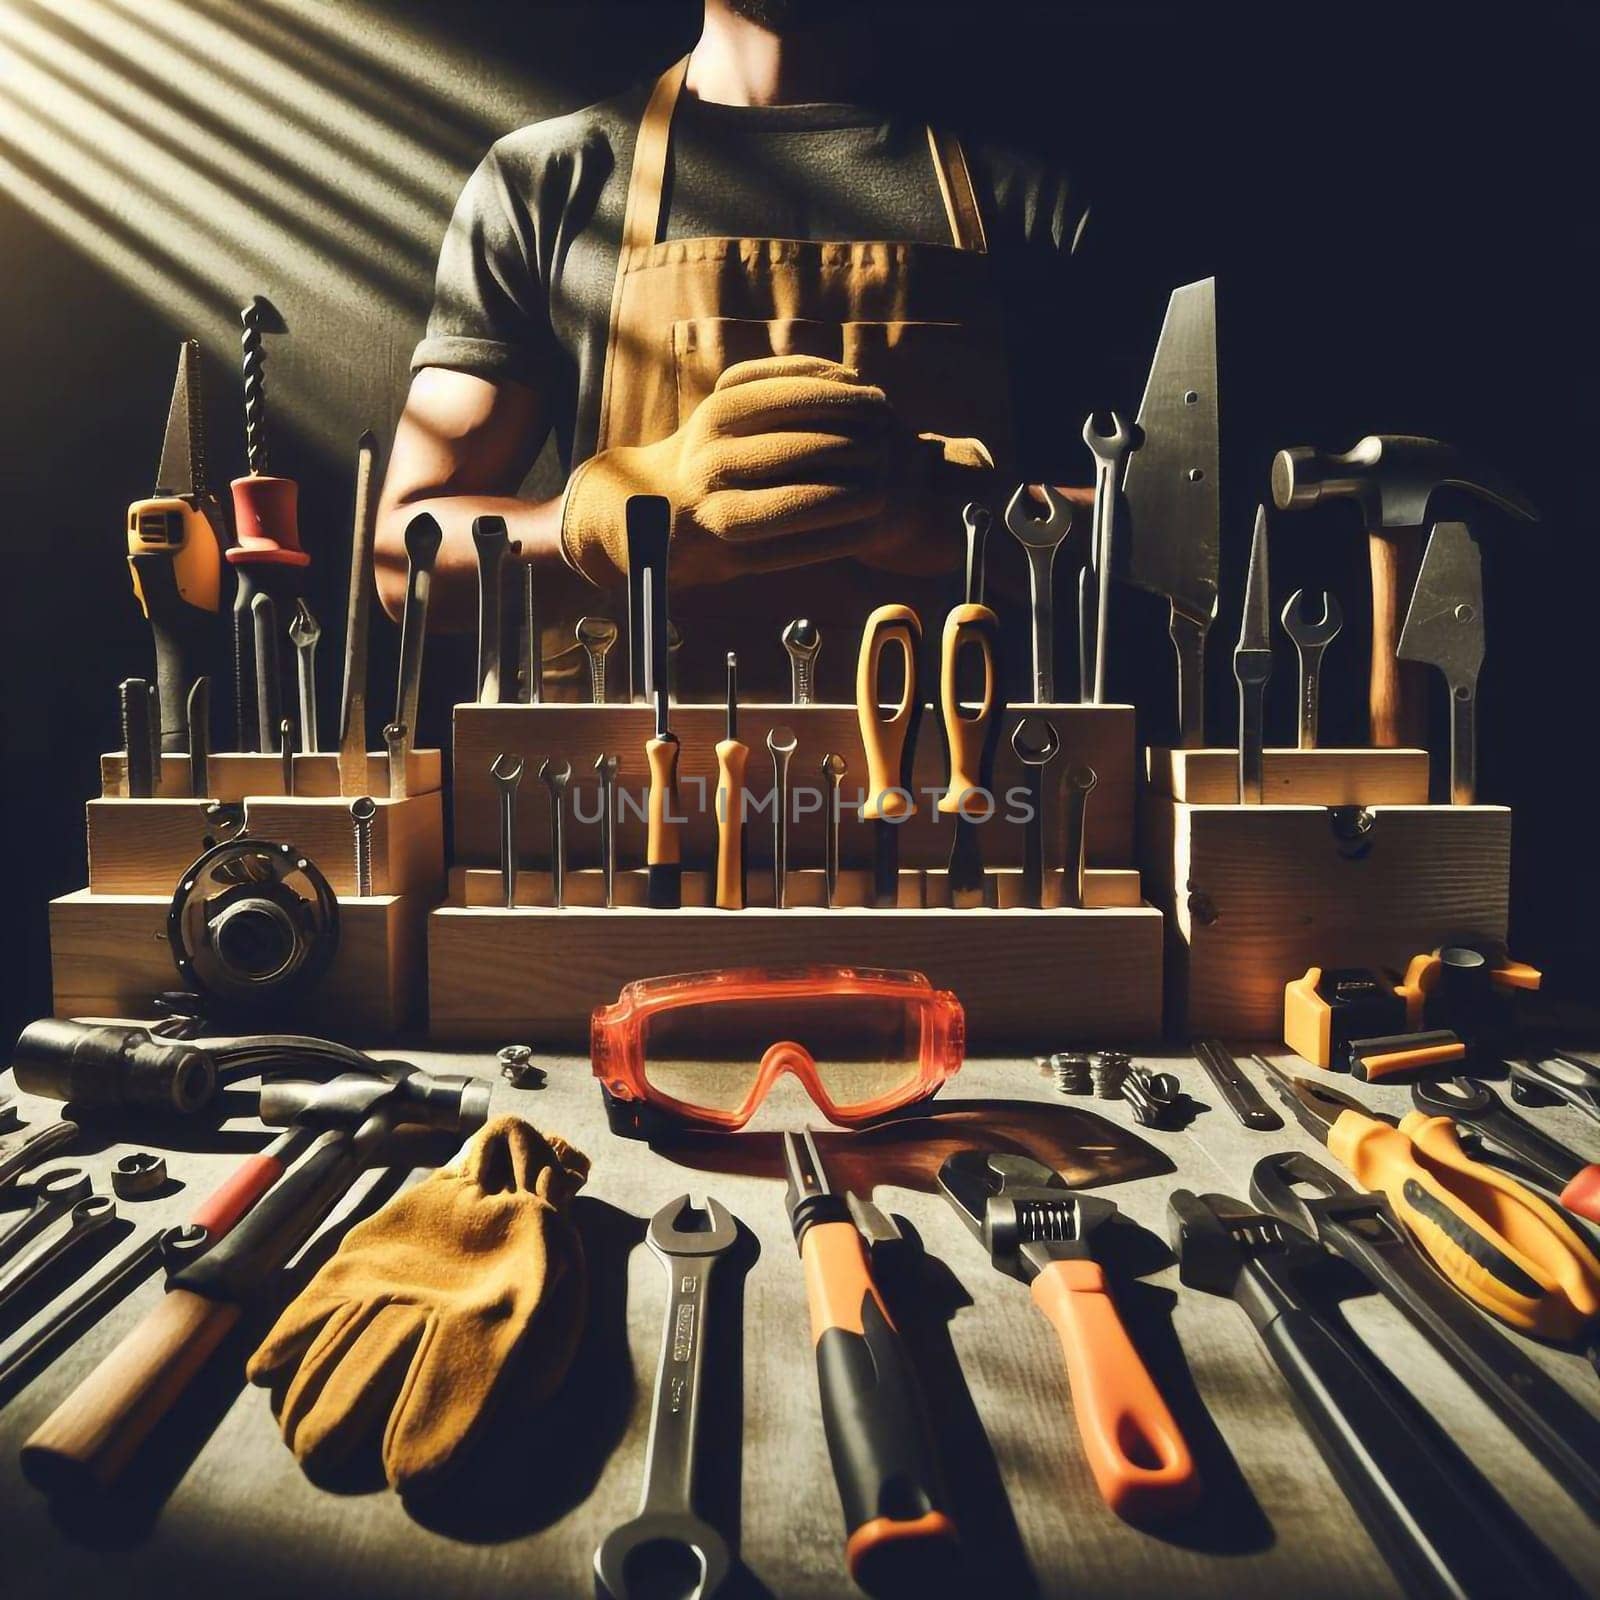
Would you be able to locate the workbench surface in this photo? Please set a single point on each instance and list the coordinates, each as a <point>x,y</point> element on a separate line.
<point>218,1502</point>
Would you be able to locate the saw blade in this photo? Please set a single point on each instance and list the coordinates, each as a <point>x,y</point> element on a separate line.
<point>182,471</point>
<point>1444,625</point>
<point>1172,539</point>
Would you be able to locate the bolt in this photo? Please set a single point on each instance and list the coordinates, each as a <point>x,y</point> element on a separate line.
<point>362,812</point>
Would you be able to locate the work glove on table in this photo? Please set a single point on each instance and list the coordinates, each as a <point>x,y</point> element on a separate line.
<point>790,460</point>
<point>417,1321</point>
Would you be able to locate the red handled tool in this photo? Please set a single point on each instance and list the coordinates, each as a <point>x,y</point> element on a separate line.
<point>872,1410</point>
<point>1039,1230</point>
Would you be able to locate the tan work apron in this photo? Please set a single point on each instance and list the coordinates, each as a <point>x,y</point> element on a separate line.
<point>920,320</point>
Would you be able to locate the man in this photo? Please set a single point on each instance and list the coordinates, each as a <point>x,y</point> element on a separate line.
<point>743,288</point>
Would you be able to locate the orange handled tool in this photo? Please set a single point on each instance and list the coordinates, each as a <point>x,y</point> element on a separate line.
<point>649,519</point>
<point>879,1439</point>
<point>889,743</point>
<point>1038,1230</point>
<point>1503,1247</point>
<point>971,737</point>
<point>732,756</point>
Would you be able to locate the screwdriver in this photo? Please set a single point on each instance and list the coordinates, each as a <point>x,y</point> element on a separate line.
<point>732,756</point>
<point>872,1410</point>
<point>267,556</point>
<point>970,740</point>
<point>649,526</point>
<point>1499,1244</point>
<point>890,742</point>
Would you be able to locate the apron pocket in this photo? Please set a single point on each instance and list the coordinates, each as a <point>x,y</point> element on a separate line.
<point>703,348</point>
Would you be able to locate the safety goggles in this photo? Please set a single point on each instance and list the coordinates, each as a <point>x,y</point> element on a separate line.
<point>705,1048</point>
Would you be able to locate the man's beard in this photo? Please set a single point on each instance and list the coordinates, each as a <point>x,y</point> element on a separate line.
<point>790,16</point>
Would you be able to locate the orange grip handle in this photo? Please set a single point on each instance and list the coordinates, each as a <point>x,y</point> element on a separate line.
<point>663,815</point>
<point>98,1428</point>
<point>838,1279</point>
<point>1582,1194</point>
<point>967,734</point>
<point>884,739</point>
<point>1140,1460</point>
<point>267,523</point>
<point>235,1195</point>
<point>732,755</point>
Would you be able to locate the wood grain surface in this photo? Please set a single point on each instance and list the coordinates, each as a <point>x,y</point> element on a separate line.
<point>218,1505</point>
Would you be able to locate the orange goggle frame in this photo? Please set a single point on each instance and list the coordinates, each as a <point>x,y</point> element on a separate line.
<point>763,1022</point>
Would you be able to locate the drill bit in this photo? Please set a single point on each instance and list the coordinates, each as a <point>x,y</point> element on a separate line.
<point>255,385</point>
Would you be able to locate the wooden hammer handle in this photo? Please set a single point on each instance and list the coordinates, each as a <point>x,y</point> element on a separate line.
<point>1399,689</point>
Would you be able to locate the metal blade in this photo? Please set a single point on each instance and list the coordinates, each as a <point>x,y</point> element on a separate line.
<point>183,453</point>
<point>1170,545</point>
<point>1444,627</point>
<point>1255,627</point>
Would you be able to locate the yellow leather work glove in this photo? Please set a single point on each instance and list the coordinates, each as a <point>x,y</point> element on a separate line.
<point>788,461</point>
<point>423,1309</point>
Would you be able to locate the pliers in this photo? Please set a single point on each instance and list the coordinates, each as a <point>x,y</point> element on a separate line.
<point>1499,1244</point>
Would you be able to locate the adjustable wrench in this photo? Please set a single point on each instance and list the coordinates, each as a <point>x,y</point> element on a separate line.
<point>667,1525</point>
<point>54,1194</point>
<point>304,632</point>
<point>88,1217</point>
<point>1041,538</point>
<point>1311,638</point>
<point>597,636</point>
<point>1110,451</point>
<point>803,640</point>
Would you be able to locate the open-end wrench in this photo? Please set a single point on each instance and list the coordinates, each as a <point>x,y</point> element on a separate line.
<point>976,520</point>
<point>54,1194</point>
<point>88,1217</point>
<point>1036,744</point>
<point>606,768</point>
<point>1110,451</point>
<point>781,744</point>
<point>833,771</point>
<point>508,774</point>
<point>1041,538</point>
<point>304,632</point>
<point>1311,637</point>
<point>803,640</point>
<point>667,1528</point>
<point>423,538</point>
<point>597,635</point>
<point>555,776</point>
<point>1080,785</point>
<point>35,1148</point>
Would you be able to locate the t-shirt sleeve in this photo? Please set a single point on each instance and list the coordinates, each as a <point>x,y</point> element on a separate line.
<point>490,316</point>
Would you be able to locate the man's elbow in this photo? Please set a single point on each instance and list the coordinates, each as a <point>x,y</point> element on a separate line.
<point>389,557</point>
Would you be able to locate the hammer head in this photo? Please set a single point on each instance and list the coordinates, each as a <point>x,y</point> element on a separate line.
<point>450,1104</point>
<point>1392,476</point>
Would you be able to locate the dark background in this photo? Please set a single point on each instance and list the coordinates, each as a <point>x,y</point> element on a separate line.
<point>1397,202</point>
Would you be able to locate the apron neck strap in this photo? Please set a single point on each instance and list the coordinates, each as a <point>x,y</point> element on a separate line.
<point>642,220</point>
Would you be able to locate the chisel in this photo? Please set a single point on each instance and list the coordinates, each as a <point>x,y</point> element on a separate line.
<point>267,558</point>
<point>139,771</point>
<point>971,740</point>
<point>732,756</point>
<point>175,542</point>
<point>198,713</point>
<point>358,610</point>
<point>889,742</point>
<point>423,538</point>
<point>649,525</point>
<point>490,540</point>
<point>1252,667</point>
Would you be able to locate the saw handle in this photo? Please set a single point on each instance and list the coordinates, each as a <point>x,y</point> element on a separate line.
<point>1139,1458</point>
<point>1398,689</point>
<point>968,735</point>
<point>888,741</point>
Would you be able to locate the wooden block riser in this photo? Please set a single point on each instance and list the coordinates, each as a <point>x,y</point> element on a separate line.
<point>1098,736</point>
<point>1029,980</point>
<point>110,957</point>
<point>235,776</point>
<point>1256,894</point>
<point>1293,777</point>
<point>1104,889</point>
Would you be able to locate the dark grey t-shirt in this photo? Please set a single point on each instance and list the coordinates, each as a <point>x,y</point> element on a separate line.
<point>529,263</point>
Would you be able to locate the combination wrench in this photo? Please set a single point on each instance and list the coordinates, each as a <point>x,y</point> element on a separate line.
<point>667,1531</point>
<point>1041,538</point>
<point>1036,744</point>
<point>507,773</point>
<point>1311,637</point>
<point>89,1217</point>
<point>1081,782</point>
<point>54,1194</point>
<point>1110,451</point>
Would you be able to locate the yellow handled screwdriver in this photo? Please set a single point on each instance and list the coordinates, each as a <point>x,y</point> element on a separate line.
<point>1499,1244</point>
<point>889,743</point>
<point>971,738</point>
<point>732,757</point>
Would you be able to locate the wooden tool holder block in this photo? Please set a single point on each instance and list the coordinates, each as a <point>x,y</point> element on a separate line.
<point>1099,736</point>
<point>110,958</point>
<point>108,942</point>
<point>1027,979</point>
<point>1256,894</point>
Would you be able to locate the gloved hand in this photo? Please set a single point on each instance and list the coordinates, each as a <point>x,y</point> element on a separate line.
<point>425,1307</point>
<point>788,461</point>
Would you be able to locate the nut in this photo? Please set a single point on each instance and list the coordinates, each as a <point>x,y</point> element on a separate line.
<point>518,1068</point>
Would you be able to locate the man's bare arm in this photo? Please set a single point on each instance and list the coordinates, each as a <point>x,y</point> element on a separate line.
<point>462,450</point>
